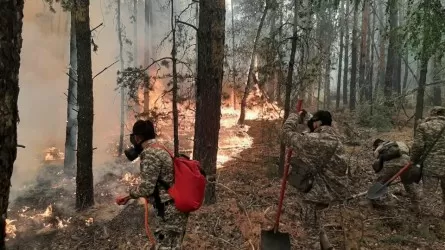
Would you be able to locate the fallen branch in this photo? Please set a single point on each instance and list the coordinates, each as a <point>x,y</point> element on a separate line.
<point>105,69</point>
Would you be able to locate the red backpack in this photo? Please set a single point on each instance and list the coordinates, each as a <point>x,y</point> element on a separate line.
<point>188,189</point>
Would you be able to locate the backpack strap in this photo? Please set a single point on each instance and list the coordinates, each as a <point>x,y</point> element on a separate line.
<point>157,145</point>
<point>163,183</point>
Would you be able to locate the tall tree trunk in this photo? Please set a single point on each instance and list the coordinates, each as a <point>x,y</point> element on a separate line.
<point>392,5</point>
<point>233,58</point>
<point>363,50</point>
<point>175,84</point>
<point>437,91</point>
<point>424,59</point>
<point>421,91</point>
<point>71,125</point>
<point>405,72</point>
<point>11,16</point>
<point>371,45</point>
<point>85,118</point>
<point>250,74</point>
<point>340,54</point>
<point>397,71</point>
<point>211,36</point>
<point>327,76</point>
<point>147,54</point>
<point>280,59</point>
<point>352,88</point>
<point>290,73</point>
<point>346,64</point>
<point>121,59</point>
<point>135,33</point>
<point>382,35</point>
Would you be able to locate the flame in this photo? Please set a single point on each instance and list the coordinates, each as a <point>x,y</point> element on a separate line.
<point>10,229</point>
<point>54,154</point>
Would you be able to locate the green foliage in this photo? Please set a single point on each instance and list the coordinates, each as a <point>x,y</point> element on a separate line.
<point>66,4</point>
<point>132,79</point>
<point>424,31</point>
<point>376,115</point>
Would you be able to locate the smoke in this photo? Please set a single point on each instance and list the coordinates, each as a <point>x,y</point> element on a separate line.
<point>43,83</point>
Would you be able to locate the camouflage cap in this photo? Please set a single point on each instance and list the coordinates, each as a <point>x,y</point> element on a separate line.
<point>437,111</point>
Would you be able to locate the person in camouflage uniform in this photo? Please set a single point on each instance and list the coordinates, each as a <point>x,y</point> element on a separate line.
<point>433,165</point>
<point>391,156</point>
<point>321,168</point>
<point>156,164</point>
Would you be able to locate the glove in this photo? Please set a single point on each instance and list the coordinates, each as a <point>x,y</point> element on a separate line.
<point>122,200</point>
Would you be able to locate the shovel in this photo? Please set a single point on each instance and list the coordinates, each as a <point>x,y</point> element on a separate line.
<point>377,190</point>
<point>273,239</point>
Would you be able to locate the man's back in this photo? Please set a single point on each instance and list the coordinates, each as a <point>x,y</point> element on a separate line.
<point>323,154</point>
<point>426,134</point>
<point>156,163</point>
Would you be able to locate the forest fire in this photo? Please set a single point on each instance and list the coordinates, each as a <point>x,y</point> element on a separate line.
<point>54,154</point>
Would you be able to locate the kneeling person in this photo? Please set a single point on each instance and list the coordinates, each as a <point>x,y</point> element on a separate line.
<point>391,156</point>
<point>156,164</point>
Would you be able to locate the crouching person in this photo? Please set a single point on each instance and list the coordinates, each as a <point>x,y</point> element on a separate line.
<point>319,173</point>
<point>157,166</point>
<point>391,156</point>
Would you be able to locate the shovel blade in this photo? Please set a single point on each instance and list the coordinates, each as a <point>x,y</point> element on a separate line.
<point>376,191</point>
<point>274,241</point>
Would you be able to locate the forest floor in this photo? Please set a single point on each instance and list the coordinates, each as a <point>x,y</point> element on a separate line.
<point>42,217</point>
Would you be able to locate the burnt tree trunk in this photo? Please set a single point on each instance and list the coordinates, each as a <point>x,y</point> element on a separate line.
<point>363,51</point>
<point>397,71</point>
<point>211,36</point>
<point>85,118</point>
<point>147,50</point>
<point>290,73</point>
<point>121,59</point>
<point>352,88</point>
<point>437,91</point>
<point>135,33</point>
<point>250,74</point>
<point>371,46</point>
<point>392,5</point>
<point>405,72</point>
<point>234,87</point>
<point>381,67</point>
<point>346,64</point>
<point>71,125</point>
<point>11,16</point>
<point>340,54</point>
<point>327,75</point>
<point>175,84</point>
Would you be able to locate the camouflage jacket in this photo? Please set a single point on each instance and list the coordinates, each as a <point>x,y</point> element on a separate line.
<point>324,154</point>
<point>426,134</point>
<point>155,163</point>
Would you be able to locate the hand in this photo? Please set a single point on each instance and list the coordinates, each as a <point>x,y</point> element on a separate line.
<point>122,200</point>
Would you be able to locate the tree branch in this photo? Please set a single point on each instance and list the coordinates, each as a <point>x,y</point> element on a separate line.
<point>187,24</point>
<point>95,28</point>
<point>72,78</point>
<point>105,69</point>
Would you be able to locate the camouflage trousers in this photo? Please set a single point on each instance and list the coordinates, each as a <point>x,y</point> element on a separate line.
<point>311,214</point>
<point>430,186</point>
<point>169,232</point>
<point>410,189</point>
